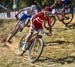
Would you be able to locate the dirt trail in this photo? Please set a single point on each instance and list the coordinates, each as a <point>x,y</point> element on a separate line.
<point>44,61</point>
<point>59,51</point>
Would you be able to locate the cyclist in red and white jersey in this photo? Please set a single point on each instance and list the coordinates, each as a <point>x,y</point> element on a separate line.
<point>37,24</point>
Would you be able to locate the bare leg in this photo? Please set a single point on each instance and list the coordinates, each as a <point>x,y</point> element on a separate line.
<point>26,43</point>
<point>28,37</point>
<point>12,33</point>
<point>62,13</point>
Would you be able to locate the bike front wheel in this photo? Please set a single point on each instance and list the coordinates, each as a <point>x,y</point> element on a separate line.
<point>35,50</point>
<point>53,20</point>
<point>21,44</point>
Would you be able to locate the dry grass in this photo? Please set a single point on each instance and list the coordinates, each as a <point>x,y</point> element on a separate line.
<point>59,50</point>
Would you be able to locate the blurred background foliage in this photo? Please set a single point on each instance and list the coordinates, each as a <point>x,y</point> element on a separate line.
<point>24,3</point>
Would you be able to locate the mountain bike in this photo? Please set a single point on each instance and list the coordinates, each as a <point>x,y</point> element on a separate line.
<point>67,18</point>
<point>35,47</point>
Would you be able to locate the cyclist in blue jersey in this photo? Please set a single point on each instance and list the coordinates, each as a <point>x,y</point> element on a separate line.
<point>63,3</point>
<point>23,17</point>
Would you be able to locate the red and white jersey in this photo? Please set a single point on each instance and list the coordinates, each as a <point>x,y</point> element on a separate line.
<point>39,18</point>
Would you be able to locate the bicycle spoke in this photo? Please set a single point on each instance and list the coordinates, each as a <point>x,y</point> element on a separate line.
<point>35,50</point>
<point>68,18</point>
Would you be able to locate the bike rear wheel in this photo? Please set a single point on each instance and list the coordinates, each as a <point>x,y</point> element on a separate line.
<point>67,21</point>
<point>35,50</point>
<point>69,14</point>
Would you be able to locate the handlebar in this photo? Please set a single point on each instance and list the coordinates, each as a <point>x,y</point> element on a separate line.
<point>45,33</point>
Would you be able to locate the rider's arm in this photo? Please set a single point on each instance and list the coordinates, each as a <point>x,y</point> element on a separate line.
<point>34,12</point>
<point>54,4</point>
<point>24,9</point>
<point>27,22</point>
<point>17,14</point>
<point>19,11</point>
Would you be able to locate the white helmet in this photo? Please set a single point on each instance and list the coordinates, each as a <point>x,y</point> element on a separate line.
<point>33,7</point>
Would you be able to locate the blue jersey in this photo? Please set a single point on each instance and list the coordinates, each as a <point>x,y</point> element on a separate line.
<point>27,12</point>
<point>24,16</point>
<point>64,2</point>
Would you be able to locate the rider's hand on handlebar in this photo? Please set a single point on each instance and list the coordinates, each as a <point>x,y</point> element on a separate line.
<point>16,17</point>
<point>48,34</point>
